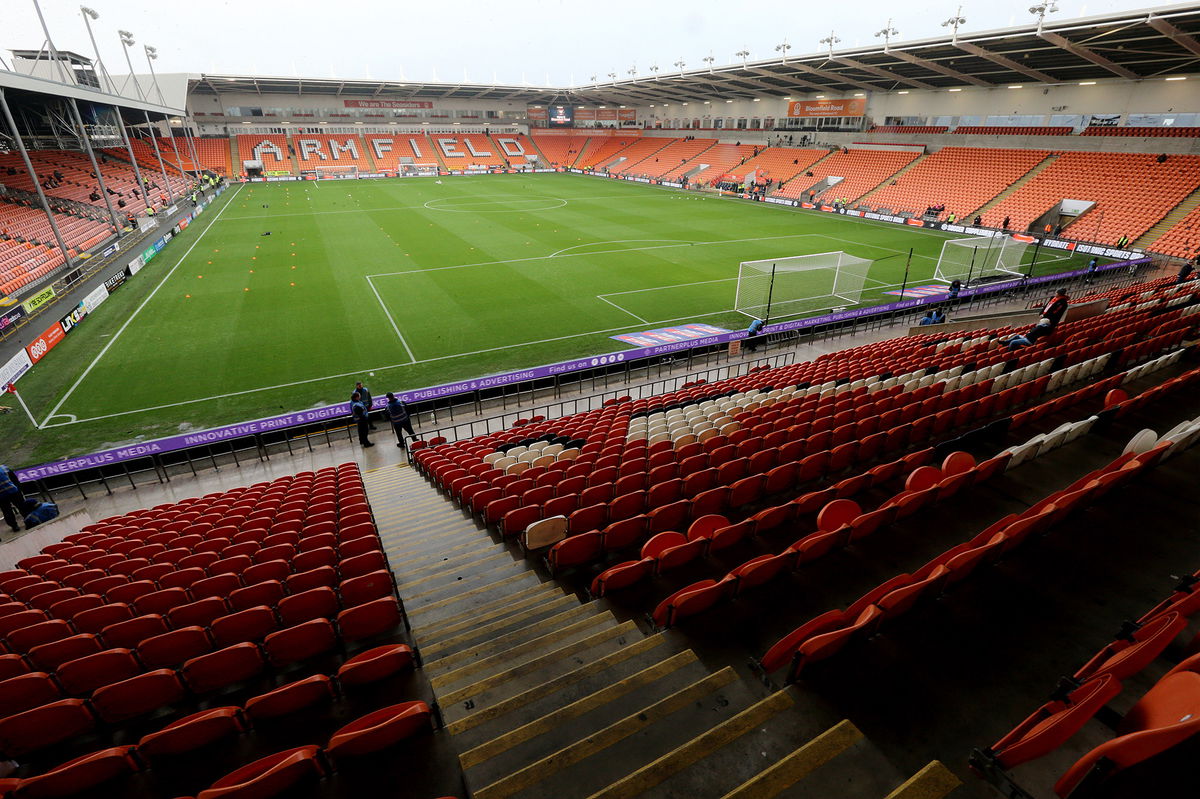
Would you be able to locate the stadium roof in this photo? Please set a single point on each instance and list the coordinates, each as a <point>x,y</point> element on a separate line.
<point>1147,44</point>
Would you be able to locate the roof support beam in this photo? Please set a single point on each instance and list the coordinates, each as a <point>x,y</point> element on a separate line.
<point>833,77</point>
<point>1174,34</point>
<point>1004,61</point>
<point>934,66</point>
<point>1079,51</point>
<point>883,73</point>
<point>799,82</point>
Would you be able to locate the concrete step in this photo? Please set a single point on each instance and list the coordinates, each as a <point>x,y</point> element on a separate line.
<point>595,757</point>
<point>542,734</point>
<point>518,677</point>
<point>449,573</point>
<point>461,675</point>
<point>714,760</point>
<point>533,611</point>
<point>451,606</point>
<point>459,585</point>
<point>447,657</point>
<point>935,781</point>
<point>536,697</point>
<point>544,595</point>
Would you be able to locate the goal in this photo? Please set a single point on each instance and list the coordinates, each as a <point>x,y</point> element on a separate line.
<point>980,259</point>
<point>346,172</point>
<point>416,170</point>
<point>781,287</point>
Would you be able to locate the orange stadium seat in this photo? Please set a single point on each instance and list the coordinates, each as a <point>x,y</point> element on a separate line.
<point>1173,132</point>
<point>270,148</point>
<point>861,170</point>
<point>1183,238</point>
<point>674,156</point>
<point>910,129</point>
<point>601,149</point>
<point>712,163</point>
<point>313,150</point>
<point>391,151</point>
<point>626,161</point>
<point>560,151</point>
<point>466,150</point>
<point>214,155</point>
<point>1015,130</point>
<point>777,163</point>
<point>961,178</point>
<point>1131,192</point>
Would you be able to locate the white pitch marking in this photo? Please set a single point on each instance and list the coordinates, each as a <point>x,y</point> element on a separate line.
<point>422,207</point>
<point>388,314</point>
<point>602,298</point>
<point>138,310</point>
<point>614,241</point>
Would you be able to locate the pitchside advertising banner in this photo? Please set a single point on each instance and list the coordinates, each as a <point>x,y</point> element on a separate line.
<point>38,300</point>
<point>16,366</point>
<point>11,317</point>
<point>46,342</point>
<point>342,411</point>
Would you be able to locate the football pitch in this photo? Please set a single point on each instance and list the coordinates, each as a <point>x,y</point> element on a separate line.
<point>282,295</point>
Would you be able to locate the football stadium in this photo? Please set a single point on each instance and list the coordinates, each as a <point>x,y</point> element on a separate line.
<point>812,419</point>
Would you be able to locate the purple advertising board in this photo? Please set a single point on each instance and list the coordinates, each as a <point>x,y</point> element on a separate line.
<point>217,435</point>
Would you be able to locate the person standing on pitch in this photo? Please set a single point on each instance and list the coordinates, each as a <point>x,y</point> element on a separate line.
<point>397,412</point>
<point>364,394</point>
<point>359,412</point>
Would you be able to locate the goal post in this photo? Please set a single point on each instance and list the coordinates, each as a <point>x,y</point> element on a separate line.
<point>781,287</point>
<point>416,170</point>
<point>980,258</point>
<point>341,172</point>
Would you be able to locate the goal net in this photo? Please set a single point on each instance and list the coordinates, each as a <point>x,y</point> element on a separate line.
<point>980,259</point>
<point>346,172</point>
<point>416,170</point>
<point>780,287</point>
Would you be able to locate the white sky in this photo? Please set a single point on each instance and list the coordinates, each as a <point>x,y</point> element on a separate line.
<point>551,42</point>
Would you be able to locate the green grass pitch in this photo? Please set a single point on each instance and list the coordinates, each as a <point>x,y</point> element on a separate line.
<point>418,282</point>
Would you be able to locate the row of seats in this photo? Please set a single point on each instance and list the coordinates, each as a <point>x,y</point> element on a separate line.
<point>1015,130</point>
<point>962,179</point>
<point>861,170</point>
<point>1162,718</point>
<point>162,609</point>
<point>1130,192</point>
<point>1180,131</point>
<point>829,633</point>
<point>377,730</point>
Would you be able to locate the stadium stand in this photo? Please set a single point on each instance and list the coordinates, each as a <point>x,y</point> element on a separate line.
<point>513,147</point>
<point>675,155</point>
<point>28,249</point>
<point>314,150</point>
<point>777,163</point>
<point>601,149</point>
<point>712,163</point>
<point>910,129</point>
<point>155,612</point>
<point>1182,240</point>
<point>1131,192</point>
<point>861,169</point>
<point>143,151</point>
<point>78,184</point>
<point>273,149</point>
<point>1015,130</point>
<point>560,151</point>
<point>626,160</point>
<point>1172,132</point>
<point>462,151</point>
<point>394,150</point>
<point>214,155</point>
<point>961,178</point>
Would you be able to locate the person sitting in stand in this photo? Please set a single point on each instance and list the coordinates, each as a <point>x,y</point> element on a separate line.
<point>1056,307</point>
<point>939,316</point>
<point>1043,328</point>
<point>927,319</point>
<point>955,288</point>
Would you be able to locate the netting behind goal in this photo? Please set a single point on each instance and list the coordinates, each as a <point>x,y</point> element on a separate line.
<point>345,172</point>
<point>416,170</point>
<point>976,258</point>
<point>781,287</point>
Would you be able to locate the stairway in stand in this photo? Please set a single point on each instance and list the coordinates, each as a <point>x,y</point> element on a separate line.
<point>547,696</point>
